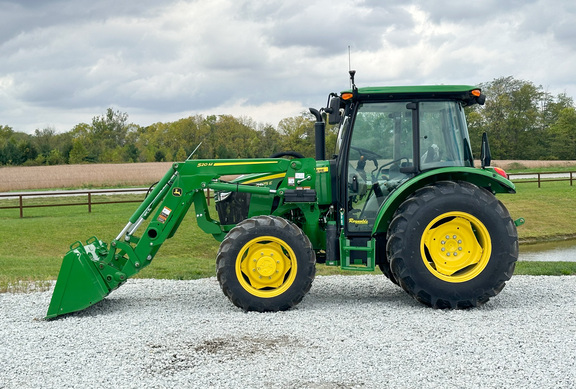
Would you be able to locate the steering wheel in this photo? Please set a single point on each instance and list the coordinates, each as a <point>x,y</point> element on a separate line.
<point>367,153</point>
<point>292,154</point>
<point>380,173</point>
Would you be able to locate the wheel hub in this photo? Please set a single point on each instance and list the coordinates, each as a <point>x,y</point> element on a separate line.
<point>265,265</point>
<point>455,246</point>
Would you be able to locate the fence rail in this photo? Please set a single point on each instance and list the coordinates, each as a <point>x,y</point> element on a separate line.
<point>91,195</point>
<point>94,193</point>
<point>543,177</point>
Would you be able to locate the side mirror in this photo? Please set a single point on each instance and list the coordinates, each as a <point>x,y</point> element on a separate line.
<point>333,110</point>
<point>481,99</point>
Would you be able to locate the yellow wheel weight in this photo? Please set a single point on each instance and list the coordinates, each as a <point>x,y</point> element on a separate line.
<point>456,247</point>
<point>266,266</point>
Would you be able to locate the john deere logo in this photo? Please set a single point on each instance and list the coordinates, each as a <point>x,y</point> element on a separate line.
<point>176,192</point>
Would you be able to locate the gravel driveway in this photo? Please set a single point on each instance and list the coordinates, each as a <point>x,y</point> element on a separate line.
<point>348,332</point>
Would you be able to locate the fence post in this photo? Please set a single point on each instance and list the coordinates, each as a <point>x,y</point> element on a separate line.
<point>571,179</point>
<point>538,180</point>
<point>89,202</point>
<point>21,207</point>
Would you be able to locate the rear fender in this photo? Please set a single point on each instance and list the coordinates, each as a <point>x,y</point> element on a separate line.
<point>484,178</point>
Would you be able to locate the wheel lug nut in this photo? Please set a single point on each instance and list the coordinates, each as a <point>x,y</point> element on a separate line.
<point>443,249</point>
<point>447,236</point>
<point>459,241</point>
<point>455,237</point>
<point>459,248</point>
<point>447,254</point>
<point>455,254</point>
<point>443,242</point>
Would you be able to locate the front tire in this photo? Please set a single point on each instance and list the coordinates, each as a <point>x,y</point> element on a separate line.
<point>265,263</point>
<point>452,245</point>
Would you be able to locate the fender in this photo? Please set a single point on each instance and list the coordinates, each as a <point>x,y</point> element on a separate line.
<point>486,178</point>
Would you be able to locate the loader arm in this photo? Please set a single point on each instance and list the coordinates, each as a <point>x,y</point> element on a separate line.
<point>91,271</point>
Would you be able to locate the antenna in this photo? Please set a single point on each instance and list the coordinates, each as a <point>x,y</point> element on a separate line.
<point>350,71</point>
<point>349,59</point>
<point>350,66</point>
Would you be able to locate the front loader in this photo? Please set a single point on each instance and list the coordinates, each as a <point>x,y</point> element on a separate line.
<point>400,193</point>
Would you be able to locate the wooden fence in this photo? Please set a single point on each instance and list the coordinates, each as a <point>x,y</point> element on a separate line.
<point>542,177</point>
<point>93,194</point>
<point>92,198</point>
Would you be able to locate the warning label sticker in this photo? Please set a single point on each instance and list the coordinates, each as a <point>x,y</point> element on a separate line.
<point>164,214</point>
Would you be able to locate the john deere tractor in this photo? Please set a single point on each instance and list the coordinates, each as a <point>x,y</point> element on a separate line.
<point>400,193</point>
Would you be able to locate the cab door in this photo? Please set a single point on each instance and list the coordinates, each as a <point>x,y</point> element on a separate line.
<point>380,149</point>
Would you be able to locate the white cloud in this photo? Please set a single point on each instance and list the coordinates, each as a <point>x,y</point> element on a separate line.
<point>65,62</point>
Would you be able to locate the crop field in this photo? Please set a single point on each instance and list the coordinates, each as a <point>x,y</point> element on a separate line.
<point>21,178</point>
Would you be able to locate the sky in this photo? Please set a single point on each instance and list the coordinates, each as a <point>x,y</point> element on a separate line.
<point>63,62</point>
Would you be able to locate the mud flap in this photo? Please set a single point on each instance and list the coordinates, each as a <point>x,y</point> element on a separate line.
<point>80,283</point>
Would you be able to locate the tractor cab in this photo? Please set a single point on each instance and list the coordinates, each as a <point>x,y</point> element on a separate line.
<point>389,135</point>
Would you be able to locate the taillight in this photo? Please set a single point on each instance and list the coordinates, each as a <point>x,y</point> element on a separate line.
<point>501,172</point>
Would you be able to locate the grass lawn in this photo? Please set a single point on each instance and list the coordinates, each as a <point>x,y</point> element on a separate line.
<point>31,249</point>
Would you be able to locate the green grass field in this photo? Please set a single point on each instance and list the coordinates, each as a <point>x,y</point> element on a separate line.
<point>31,249</point>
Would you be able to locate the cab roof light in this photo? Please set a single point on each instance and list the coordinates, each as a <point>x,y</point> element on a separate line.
<point>476,92</point>
<point>347,96</point>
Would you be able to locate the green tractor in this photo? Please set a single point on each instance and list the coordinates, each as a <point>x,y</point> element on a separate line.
<point>400,193</point>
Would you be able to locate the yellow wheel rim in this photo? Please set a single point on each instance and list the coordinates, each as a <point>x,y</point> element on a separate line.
<point>456,247</point>
<point>266,266</point>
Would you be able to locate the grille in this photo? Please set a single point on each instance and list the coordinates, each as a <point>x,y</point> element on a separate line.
<point>232,207</point>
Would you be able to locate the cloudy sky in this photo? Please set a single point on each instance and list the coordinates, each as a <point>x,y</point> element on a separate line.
<point>62,62</point>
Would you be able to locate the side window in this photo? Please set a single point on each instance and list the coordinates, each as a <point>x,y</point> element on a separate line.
<point>381,144</point>
<point>442,131</point>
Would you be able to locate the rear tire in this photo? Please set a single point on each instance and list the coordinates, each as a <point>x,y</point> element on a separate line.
<point>452,245</point>
<point>265,263</point>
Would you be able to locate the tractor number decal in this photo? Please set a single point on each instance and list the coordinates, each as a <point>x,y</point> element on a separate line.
<point>164,214</point>
<point>357,221</point>
<point>177,192</point>
<point>323,169</point>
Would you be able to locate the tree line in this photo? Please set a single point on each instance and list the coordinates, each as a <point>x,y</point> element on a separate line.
<point>522,121</point>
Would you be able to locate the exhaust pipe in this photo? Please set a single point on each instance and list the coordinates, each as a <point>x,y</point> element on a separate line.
<point>320,135</point>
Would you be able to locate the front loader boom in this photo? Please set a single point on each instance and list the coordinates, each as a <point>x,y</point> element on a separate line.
<point>90,272</point>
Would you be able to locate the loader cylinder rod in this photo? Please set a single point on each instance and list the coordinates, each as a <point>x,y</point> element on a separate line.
<point>154,196</point>
<point>238,188</point>
<point>135,226</point>
<point>123,232</point>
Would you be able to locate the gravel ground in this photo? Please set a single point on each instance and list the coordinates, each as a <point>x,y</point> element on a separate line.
<point>348,332</point>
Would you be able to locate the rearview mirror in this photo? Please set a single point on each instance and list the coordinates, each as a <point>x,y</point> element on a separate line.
<point>333,110</point>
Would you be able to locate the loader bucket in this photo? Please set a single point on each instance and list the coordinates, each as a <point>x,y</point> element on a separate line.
<point>79,283</point>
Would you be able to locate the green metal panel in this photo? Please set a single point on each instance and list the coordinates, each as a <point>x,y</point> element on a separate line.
<point>416,89</point>
<point>323,182</point>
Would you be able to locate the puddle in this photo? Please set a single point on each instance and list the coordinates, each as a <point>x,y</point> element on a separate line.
<point>564,251</point>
